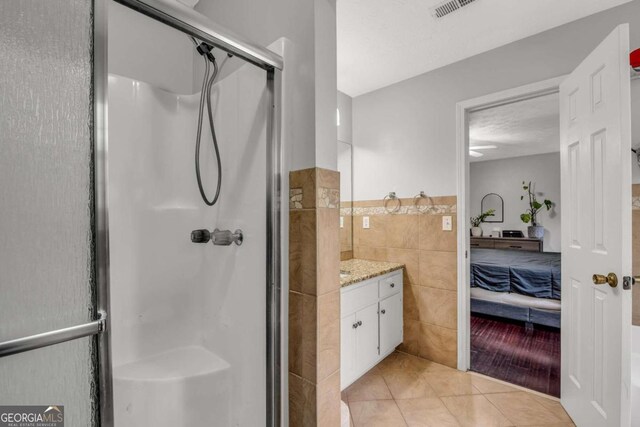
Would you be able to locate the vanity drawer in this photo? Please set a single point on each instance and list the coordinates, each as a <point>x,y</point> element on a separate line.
<point>352,300</point>
<point>390,285</point>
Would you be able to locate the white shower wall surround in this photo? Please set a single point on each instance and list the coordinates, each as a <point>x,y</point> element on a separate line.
<point>188,320</point>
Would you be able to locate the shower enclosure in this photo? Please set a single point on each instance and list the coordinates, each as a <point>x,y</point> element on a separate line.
<point>136,324</point>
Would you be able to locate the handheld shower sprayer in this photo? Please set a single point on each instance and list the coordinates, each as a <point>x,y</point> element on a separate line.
<point>218,237</point>
<point>205,49</point>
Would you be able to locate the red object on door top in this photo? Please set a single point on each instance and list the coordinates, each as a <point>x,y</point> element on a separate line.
<point>634,59</point>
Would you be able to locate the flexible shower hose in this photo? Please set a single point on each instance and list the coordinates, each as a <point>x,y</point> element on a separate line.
<point>205,96</point>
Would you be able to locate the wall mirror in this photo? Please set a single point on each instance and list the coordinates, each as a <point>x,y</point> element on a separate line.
<point>493,201</point>
<point>345,167</point>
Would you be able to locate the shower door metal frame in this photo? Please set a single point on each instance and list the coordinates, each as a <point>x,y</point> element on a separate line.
<point>100,327</point>
<point>194,24</point>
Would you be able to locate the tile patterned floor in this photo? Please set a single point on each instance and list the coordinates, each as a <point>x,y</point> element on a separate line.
<point>404,390</point>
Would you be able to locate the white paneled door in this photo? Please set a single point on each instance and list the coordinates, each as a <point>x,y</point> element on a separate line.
<point>596,235</point>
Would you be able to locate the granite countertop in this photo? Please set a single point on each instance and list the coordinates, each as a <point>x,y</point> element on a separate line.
<point>362,269</point>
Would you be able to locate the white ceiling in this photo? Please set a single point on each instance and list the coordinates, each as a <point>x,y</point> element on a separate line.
<point>523,128</point>
<point>381,42</point>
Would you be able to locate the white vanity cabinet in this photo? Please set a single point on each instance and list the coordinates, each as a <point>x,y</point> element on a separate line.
<point>371,324</point>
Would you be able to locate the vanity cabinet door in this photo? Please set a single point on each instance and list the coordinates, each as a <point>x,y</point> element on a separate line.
<point>348,357</point>
<point>390,323</point>
<point>367,337</point>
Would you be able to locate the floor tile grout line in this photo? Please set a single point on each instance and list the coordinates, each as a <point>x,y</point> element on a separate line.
<point>394,400</point>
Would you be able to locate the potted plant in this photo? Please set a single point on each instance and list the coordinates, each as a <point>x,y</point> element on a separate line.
<point>476,230</point>
<point>531,214</point>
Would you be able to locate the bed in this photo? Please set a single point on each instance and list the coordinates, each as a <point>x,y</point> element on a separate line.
<point>518,285</point>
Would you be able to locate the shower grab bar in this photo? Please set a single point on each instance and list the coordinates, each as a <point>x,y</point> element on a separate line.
<point>202,28</point>
<point>57,336</point>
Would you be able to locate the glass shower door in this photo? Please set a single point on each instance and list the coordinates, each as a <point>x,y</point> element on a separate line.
<point>47,214</point>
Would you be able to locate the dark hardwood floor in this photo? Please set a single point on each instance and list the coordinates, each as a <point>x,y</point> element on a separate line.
<point>505,350</point>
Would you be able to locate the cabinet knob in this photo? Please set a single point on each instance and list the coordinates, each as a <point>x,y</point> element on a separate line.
<point>383,311</point>
<point>393,285</point>
<point>355,325</point>
<point>359,322</point>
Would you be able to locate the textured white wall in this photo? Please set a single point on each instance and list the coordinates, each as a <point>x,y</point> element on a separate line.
<point>405,135</point>
<point>505,177</point>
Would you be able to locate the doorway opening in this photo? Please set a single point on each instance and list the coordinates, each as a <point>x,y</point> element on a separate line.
<point>514,250</point>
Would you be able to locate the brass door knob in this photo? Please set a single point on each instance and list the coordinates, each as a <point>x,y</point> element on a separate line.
<point>611,279</point>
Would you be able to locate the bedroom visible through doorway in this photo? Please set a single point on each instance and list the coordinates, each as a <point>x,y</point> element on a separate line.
<point>514,275</point>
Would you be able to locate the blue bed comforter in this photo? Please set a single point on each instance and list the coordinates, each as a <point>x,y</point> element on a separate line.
<point>535,274</point>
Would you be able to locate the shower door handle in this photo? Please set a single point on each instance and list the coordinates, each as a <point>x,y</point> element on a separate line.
<point>57,336</point>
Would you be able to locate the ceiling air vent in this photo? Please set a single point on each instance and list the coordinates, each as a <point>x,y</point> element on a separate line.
<point>449,6</point>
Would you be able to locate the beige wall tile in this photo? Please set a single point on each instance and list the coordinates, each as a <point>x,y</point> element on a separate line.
<point>302,251</point>
<point>432,238</point>
<point>411,337</point>
<point>367,252</point>
<point>429,256</point>
<point>438,270</point>
<point>328,401</point>
<point>437,307</point>
<point>327,178</point>
<point>635,190</point>
<point>410,295</point>
<point>328,251</point>
<point>302,402</point>
<point>346,234</point>
<point>306,180</point>
<point>374,236</point>
<point>328,351</point>
<point>438,344</point>
<point>401,231</point>
<point>437,200</point>
<point>314,301</point>
<point>328,360</point>
<point>410,258</point>
<point>346,255</point>
<point>302,335</point>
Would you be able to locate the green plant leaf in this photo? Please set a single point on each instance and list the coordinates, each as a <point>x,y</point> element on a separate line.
<point>521,197</point>
<point>548,203</point>
<point>526,218</point>
<point>536,205</point>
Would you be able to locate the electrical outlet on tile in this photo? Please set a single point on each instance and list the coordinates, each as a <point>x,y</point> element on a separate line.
<point>365,222</point>
<point>447,223</point>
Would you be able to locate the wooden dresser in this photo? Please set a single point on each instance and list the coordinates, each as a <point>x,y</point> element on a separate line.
<point>513,243</point>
